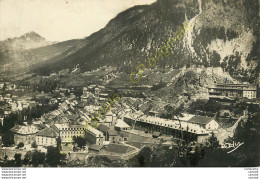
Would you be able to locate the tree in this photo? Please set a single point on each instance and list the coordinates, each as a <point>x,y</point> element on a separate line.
<point>154,156</point>
<point>20,145</point>
<point>53,156</point>
<point>58,141</point>
<point>9,121</point>
<point>80,141</point>
<point>248,133</point>
<point>214,59</point>
<point>6,158</point>
<point>1,128</point>
<point>195,155</point>
<point>171,113</point>
<point>38,158</point>
<point>8,139</point>
<point>176,113</point>
<point>168,111</point>
<point>27,158</point>
<point>4,87</point>
<point>34,145</point>
<point>213,142</point>
<point>18,160</point>
<point>209,106</point>
<point>162,156</point>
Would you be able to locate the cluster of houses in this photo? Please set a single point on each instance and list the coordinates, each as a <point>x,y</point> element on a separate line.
<point>196,128</point>
<point>73,118</point>
<point>13,87</point>
<point>13,103</point>
<point>70,119</point>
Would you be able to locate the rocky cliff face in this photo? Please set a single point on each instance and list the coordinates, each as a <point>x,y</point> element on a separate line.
<point>227,35</point>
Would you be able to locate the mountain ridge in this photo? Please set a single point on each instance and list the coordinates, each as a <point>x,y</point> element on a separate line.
<point>18,55</point>
<point>135,34</point>
<point>26,41</point>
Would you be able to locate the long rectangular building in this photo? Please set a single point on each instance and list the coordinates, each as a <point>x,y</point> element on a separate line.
<point>92,135</point>
<point>233,91</point>
<point>66,131</point>
<point>195,128</point>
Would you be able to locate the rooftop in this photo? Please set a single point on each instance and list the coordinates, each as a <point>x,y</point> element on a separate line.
<point>48,132</point>
<point>31,129</point>
<point>200,120</point>
<point>103,128</point>
<point>245,87</point>
<point>186,117</point>
<point>60,126</point>
<point>174,124</point>
<point>112,132</point>
<point>93,131</point>
<point>121,124</point>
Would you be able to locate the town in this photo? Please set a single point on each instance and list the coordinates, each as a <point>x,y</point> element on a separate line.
<point>60,124</point>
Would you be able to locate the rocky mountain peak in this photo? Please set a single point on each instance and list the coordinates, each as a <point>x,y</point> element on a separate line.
<point>32,36</point>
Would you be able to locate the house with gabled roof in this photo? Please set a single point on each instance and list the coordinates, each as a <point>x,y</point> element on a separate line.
<point>47,137</point>
<point>121,125</point>
<point>208,123</point>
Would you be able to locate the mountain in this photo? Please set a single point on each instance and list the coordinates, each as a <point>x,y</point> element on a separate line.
<point>12,49</point>
<point>226,35</point>
<point>19,55</point>
<point>27,41</point>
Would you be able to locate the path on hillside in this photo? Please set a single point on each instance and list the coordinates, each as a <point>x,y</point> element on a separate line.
<point>228,132</point>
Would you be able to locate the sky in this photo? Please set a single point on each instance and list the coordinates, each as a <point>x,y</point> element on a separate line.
<point>59,20</point>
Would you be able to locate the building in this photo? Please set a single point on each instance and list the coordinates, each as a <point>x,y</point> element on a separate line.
<point>97,92</point>
<point>104,129</point>
<point>2,85</point>
<point>86,96</point>
<point>110,119</point>
<point>47,137</point>
<point>24,134</point>
<point>190,130</point>
<point>113,136</point>
<point>208,123</point>
<point>225,90</point>
<point>67,132</point>
<point>121,125</point>
<point>153,113</point>
<point>94,136</point>
<point>85,90</point>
